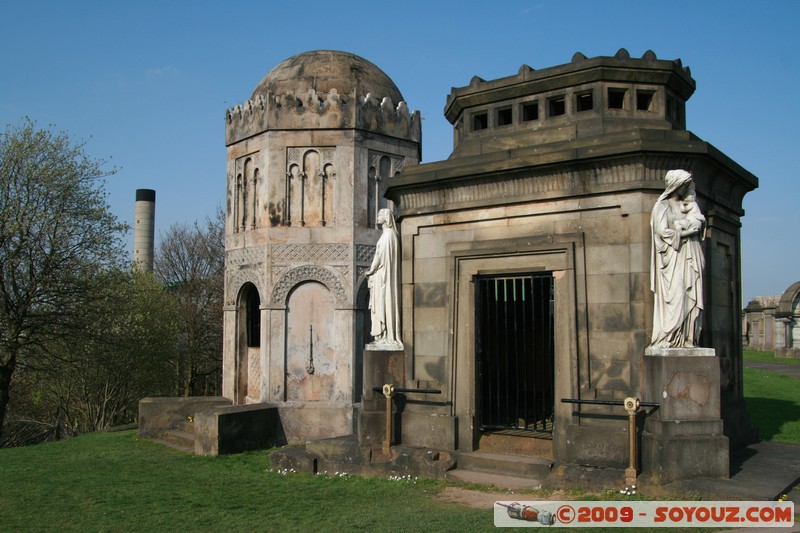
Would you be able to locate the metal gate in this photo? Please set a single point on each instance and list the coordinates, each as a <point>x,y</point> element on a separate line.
<point>515,352</point>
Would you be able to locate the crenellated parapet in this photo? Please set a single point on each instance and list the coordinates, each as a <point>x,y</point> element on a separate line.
<point>314,111</point>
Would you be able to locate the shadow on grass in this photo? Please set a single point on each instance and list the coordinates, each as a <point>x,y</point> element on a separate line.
<point>770,415</point>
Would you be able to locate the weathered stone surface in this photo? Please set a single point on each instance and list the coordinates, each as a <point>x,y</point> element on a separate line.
<point>309,156</point>
<point>563,191</point>
<point>687,457</point>
<point>684,438</point>
<point>156,415</point>
<point>237,428</point>
<point>686,387</point>
<point>569,193</point>
<point>305,421</point>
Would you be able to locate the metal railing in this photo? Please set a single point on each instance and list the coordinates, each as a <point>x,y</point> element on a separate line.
<point>631,406</point>
<point>389,391</point>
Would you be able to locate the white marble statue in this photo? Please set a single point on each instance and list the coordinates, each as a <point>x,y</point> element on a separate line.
<point>383,280</point>
<point>676,266</point>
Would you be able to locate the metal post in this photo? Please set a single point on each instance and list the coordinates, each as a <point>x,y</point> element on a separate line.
<point>388,391</point>
<point>632,407</point>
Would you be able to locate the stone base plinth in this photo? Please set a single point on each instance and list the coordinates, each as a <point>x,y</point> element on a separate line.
<point>371,426</point>
<point>382,367</point>
<point>683,438</point>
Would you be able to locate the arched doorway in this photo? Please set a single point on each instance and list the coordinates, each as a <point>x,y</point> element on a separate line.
<point>248,359</point>
<point>310,344</point>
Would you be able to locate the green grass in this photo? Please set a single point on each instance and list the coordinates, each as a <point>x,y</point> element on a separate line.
<point>769,357</point>
<point>773,400</point>
<point>116,482</point>
<point>773,403</point>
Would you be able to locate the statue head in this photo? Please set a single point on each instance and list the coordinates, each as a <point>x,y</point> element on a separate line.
<point>677,180</point>
<point>385,218</point>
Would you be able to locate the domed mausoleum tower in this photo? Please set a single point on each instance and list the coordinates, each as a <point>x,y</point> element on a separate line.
<point>309,156</point>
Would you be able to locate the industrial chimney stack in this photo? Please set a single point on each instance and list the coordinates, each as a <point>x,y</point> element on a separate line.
<point>144,229</point>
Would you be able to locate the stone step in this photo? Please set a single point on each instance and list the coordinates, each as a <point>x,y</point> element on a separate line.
<point>531,444</point>
<point>505,464</point>
<point>186,427</point>
<point>180,438</point>
<point>503,481</point>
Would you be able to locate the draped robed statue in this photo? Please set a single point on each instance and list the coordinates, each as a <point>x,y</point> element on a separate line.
<point>676,264</point>
<point>383,281</point>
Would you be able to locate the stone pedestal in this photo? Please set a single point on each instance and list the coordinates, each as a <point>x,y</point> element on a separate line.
<point>380,367</point>
<point>683,438</point>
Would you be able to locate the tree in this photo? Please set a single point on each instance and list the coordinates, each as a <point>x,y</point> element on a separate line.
<point>120,356</point>
<point>190,260</point>
<point>57,233</point>
<point>95,377</point>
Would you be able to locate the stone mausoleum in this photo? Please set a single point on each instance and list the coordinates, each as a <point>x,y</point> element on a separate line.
<point>525,267</point>
<point>309,157</point>
<point>772,323</point>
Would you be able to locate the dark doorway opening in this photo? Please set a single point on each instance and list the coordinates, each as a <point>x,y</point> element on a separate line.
<point>515,352</point>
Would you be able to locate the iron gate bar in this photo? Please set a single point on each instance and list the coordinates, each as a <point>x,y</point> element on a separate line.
<point>514,344</point>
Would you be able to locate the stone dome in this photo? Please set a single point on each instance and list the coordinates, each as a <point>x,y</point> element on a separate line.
<point>323,70</point>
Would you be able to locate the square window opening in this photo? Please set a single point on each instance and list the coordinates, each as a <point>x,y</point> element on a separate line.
<point>557,106</point>
<point>584,102</point>
<point>480,121</point>
<point>504,116</point>
<point>644,100</point>
<point>530,111</point>
<point>616,98</point>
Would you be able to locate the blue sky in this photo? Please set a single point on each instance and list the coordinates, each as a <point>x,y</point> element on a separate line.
<point>147,83</point>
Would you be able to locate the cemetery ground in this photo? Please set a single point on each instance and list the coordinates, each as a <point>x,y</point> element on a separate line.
<point>114,481</point>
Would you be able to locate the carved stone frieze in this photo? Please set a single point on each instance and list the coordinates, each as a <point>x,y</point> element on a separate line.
<point>396,162</point>
<point>397,165</point>
<point>308,273</point>
<point>327,155</point>
<point>343,270</point>
<point>236,279</point>
<point>364,253</point>
<point>239,163</point>
<point>311,252</point>
<point>242,257</point>
<point>294,156</point>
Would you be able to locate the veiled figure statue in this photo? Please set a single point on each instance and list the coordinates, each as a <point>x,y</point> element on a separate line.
<point>383,280</point>
<point>676,265</point>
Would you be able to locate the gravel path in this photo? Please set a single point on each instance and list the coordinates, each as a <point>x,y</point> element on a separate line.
<point>778,368</point>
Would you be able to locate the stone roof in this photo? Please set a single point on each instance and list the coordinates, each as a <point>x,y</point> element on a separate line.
<point>323,70</point>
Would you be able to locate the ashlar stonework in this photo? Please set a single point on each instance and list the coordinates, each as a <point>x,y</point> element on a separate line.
<point>525,268</point>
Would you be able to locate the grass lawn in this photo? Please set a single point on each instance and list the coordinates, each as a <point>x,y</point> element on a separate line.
<point>773,400</point>
<point>116,482</point>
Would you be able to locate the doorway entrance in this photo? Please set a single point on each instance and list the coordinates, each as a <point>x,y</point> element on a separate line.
<point>515,353</point>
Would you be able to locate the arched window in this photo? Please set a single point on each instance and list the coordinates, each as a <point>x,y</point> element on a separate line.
<point>253,316</point>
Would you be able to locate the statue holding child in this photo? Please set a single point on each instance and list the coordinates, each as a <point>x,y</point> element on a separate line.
<point>676,265</point>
